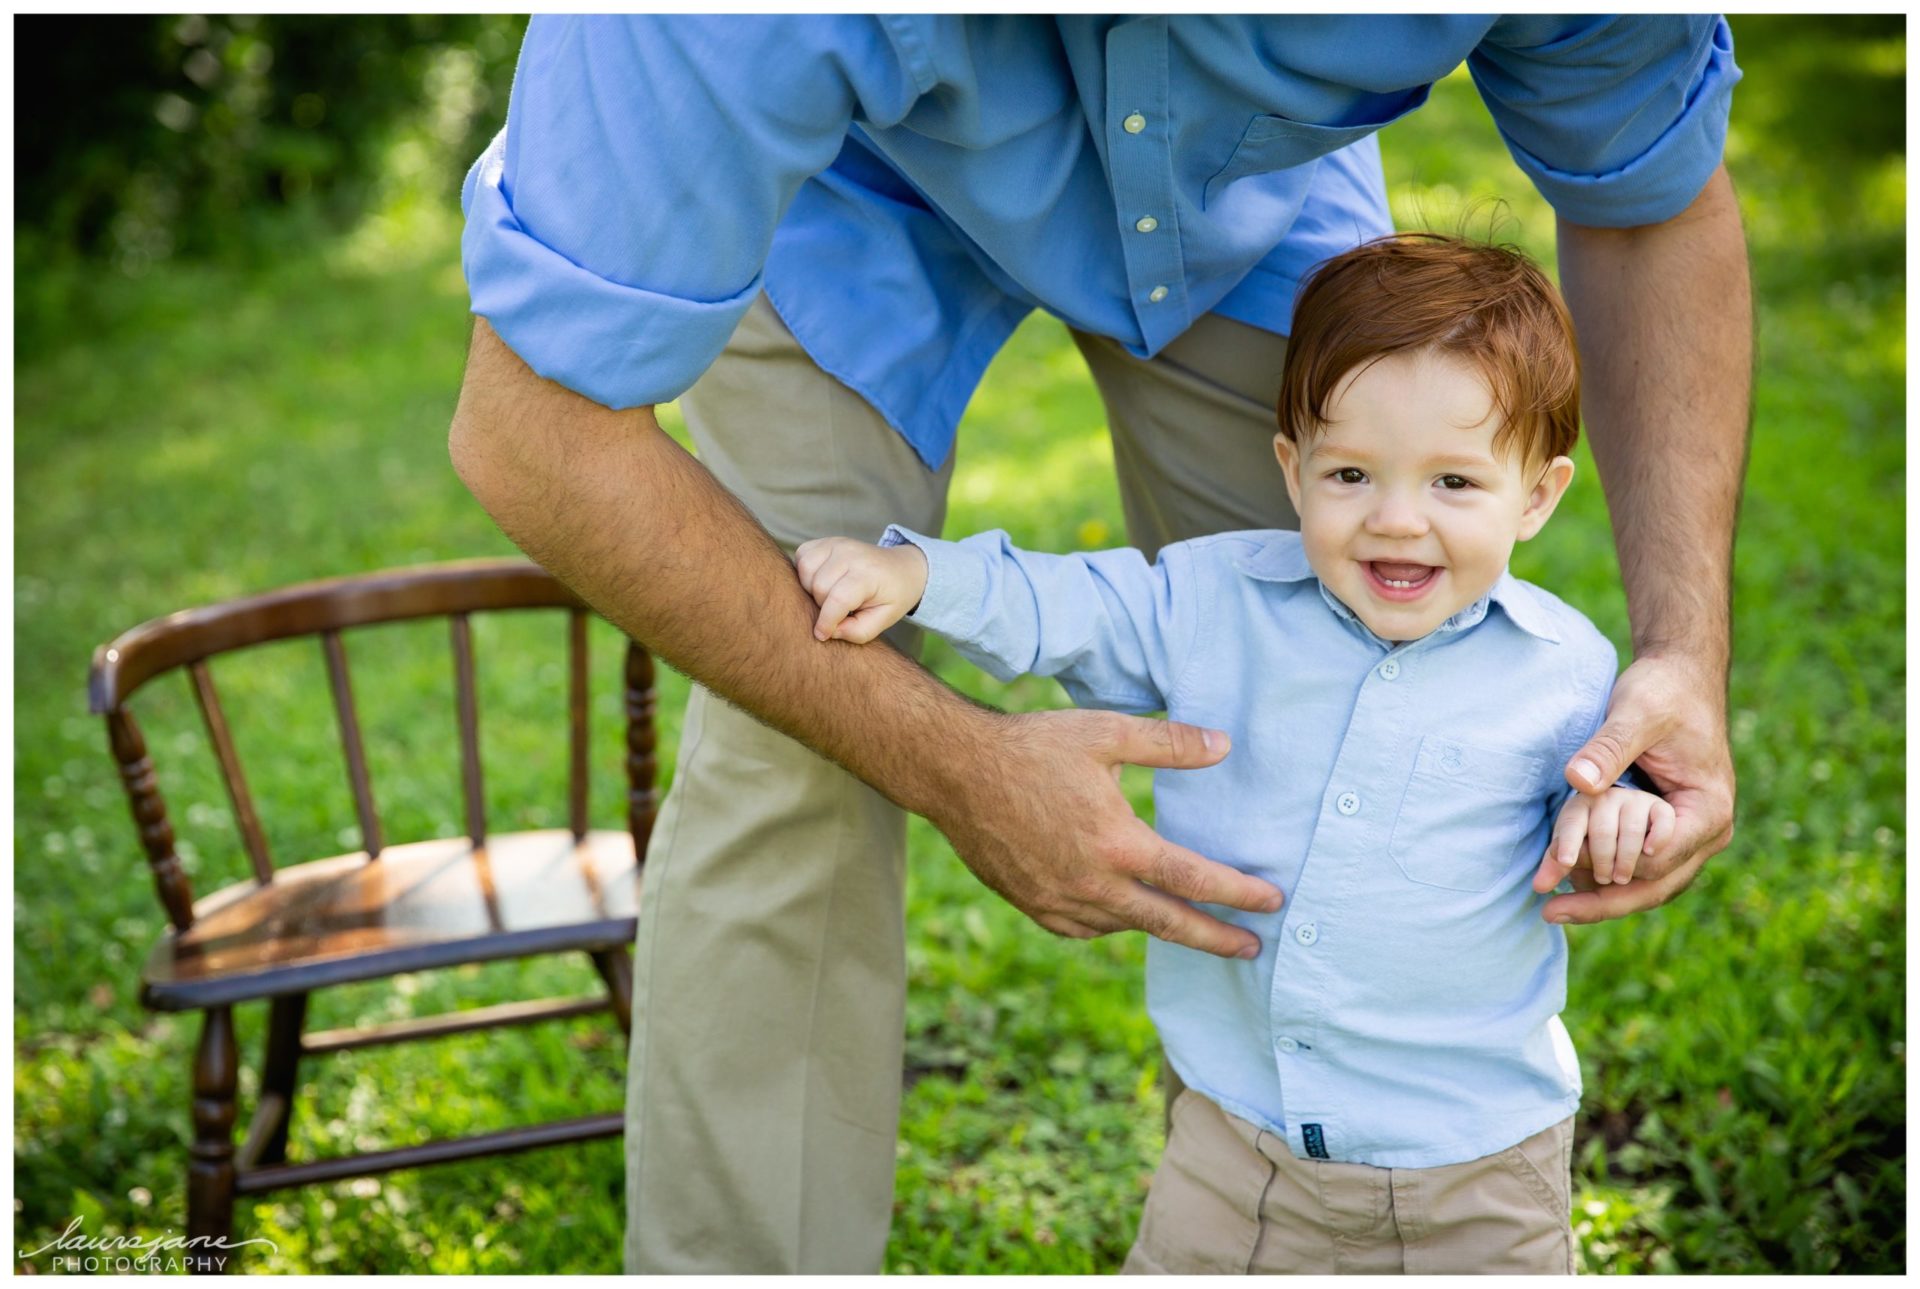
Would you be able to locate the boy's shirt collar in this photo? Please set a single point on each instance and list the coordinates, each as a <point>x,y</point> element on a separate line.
<point>1284,559</point>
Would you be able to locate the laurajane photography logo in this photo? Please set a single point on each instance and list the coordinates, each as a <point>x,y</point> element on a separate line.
<point>74,1250</point>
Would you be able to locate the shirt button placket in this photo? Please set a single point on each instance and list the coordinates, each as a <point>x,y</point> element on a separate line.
<point>1141,170</point>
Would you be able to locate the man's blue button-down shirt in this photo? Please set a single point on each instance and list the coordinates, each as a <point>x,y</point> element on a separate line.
<point>907,189</point>
<point>1404,1009</point>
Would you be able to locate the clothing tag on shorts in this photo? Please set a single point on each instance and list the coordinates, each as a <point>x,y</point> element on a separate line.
<point>1316,1142</point>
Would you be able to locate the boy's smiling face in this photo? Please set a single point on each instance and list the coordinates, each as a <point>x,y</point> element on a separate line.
<point>1407,512</point>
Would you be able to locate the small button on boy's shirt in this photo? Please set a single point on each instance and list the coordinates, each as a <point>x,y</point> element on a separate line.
<point>1404,1008</point>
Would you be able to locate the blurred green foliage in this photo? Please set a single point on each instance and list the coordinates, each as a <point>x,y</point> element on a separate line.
<point>155,136</point>
<point>212,428</point>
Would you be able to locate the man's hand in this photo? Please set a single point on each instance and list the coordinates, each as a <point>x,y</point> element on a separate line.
<point>1665,715</point>
<point>1046,826</point>
<point>862,589</point>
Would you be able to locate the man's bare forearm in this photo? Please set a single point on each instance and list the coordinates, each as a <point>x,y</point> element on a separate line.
<point>621,513</point>
<point>1665,321</point>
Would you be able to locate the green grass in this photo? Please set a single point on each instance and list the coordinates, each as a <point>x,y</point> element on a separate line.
<point>207,431</point>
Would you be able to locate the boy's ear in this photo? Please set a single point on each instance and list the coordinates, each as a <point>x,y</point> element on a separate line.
<point>1289,454</point>
<point>1546,496</point>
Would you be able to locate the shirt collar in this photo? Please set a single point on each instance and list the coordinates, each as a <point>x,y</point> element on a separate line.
<point>1284,559</point>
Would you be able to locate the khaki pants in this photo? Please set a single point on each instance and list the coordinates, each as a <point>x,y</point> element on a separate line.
<point>769,970</point>
<point>1230,1198</point>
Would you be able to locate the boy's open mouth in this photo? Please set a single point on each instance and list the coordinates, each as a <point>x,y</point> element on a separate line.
<point>1396,581</point>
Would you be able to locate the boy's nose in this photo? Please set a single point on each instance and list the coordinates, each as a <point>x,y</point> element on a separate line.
<point>1396,516</point>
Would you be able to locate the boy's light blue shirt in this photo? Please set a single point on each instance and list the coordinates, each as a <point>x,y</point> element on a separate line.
<point>906,188</point>
<point>1404,1009</point>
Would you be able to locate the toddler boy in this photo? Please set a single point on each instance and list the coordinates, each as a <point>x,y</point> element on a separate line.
<point>1386,1086</point>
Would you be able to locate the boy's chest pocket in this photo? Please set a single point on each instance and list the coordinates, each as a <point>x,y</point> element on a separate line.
<point>1467,813</point>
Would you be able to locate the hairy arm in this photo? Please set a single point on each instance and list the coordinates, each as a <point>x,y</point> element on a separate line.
<point>624,516</point>
<point>1664,314</point>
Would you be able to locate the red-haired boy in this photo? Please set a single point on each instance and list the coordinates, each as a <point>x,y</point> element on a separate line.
<point>1385,1086</point>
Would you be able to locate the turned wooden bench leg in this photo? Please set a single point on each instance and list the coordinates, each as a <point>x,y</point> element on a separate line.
<point>285,1018</point>
<point>210,1166</point>
<point>616,968</point>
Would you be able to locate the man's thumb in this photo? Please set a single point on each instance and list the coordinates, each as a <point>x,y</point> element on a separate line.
<point>1604,759</point>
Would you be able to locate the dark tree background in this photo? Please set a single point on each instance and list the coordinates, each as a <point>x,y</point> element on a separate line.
<point>141,138</point>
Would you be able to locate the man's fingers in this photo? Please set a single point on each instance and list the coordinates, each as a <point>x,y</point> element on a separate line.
<point>1177,922</point>
<point>1607,902</point>
<point>1179,871</point>
<point>1169,745</point>
<point>1074,928</point>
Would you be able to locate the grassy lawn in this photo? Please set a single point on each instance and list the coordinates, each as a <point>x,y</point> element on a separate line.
<point>204,432</point>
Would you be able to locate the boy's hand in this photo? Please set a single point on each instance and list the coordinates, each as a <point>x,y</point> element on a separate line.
<point>1611,831</point>
<point>861,589</point>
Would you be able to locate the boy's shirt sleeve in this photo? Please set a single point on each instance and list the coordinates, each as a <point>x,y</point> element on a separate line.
<point>1113,628</point>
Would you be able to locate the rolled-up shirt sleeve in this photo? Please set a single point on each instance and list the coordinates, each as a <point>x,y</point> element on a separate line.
<point>616,229</point>
<point>1619,121</point>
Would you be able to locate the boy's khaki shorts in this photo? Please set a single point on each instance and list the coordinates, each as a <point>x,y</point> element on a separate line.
<point>1231,1198</point>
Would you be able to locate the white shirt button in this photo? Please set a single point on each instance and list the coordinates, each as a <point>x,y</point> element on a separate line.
<point>1286,1045</point>
<point>1306,933</point>
<point>1347,803</point>
<point>1134,124</point>
<point>1158,294</point>
<point>1146,223</point>
<point>1390,669</point>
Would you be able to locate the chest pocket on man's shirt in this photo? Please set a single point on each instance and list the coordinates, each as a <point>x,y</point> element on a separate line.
<point>1466,814</point>
<point>1273,143</point>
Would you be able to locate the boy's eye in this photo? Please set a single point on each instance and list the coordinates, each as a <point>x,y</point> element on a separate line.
<point>1350,475</point>
<point>1454,482</point>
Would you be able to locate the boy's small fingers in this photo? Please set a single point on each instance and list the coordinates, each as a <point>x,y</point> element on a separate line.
<point>840,600</point>
<point>1568,832</point>
<point>1566,845</point>
<point>859,627</point>
<point>807,558</point>
<point>1633,831</point>
<point>1552,871</point>
<point>1659,829</point>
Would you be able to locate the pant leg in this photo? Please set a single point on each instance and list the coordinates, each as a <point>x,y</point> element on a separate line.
<point>1193,430</point>
<point>1203,1211</point>
<point>1510,1213</point>
<point>769,967</point>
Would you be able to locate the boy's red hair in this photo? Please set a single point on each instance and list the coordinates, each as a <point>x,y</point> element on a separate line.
<point>1490,305</point>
